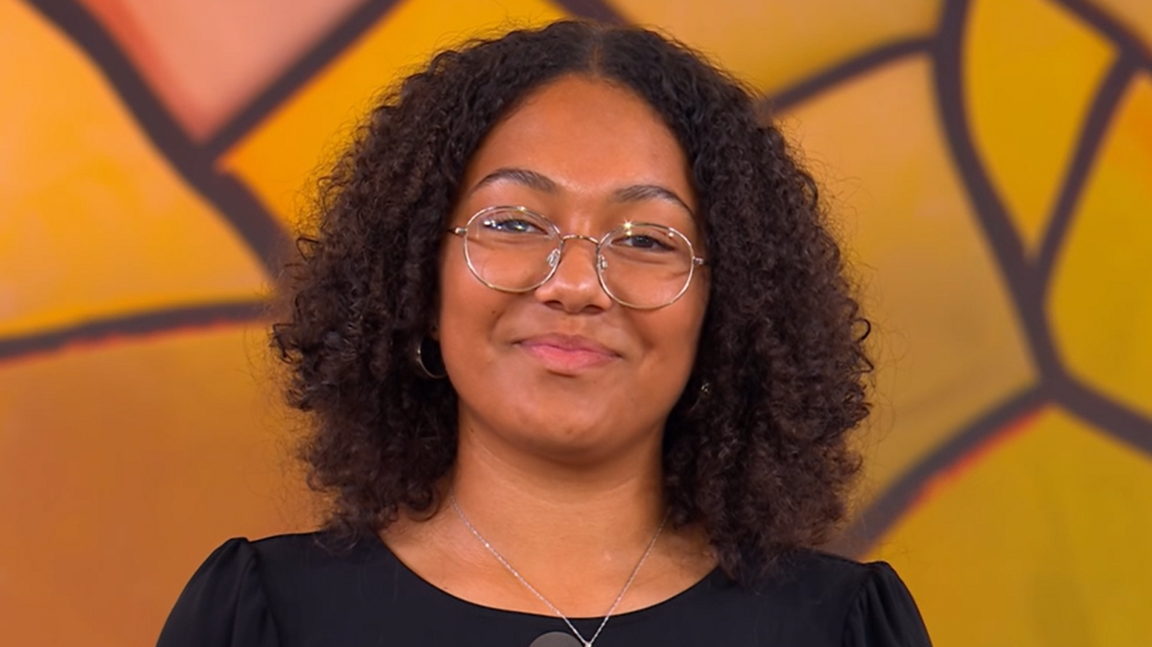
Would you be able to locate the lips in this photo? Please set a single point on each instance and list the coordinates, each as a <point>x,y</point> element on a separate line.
<point>568,354</point>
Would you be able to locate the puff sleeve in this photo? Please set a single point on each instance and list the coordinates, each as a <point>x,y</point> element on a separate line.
<point>223,605</point>
<point>884,614</point>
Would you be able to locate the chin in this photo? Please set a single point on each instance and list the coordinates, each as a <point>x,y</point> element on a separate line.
<point>580,440</point>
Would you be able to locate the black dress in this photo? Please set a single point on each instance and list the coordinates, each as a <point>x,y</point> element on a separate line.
<point>291,591</point>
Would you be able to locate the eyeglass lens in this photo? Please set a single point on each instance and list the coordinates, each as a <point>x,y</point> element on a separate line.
<point>640,265</point>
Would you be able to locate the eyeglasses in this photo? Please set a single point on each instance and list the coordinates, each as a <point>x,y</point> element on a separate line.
<point>640,265</point>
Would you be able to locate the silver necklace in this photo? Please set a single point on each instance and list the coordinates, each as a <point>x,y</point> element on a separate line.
<point>516,574</point>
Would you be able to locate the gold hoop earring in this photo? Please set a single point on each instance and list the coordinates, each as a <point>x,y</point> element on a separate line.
<point>429,359</point>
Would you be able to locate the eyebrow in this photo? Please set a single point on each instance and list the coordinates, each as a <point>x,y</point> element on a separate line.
<point>640,192</point>
<point>530,179</point>
<point>540,182</point>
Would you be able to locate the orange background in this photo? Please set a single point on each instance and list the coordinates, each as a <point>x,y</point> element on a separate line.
<point>989,163</point>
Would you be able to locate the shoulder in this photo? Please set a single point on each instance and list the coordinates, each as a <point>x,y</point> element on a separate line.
<point>294,565</point>
<point>223,604</point>
<point>301,553</point>
<point>248,592</point>
<point>280,557</point>
<point>818,575</point>
<point>815,598</point>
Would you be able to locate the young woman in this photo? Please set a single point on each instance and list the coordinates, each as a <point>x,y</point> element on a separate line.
<point>581,358</point>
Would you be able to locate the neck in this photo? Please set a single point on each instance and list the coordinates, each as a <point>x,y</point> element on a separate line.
<point>575,532</point>
<point>535,509</point>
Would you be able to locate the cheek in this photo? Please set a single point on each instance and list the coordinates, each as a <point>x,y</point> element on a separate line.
<point>671,338</point>
<point>467,317</point>
<point>687,319</point>
<point>454,289</point>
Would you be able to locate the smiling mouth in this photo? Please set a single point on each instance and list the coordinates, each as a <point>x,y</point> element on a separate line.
<point>567,356</point>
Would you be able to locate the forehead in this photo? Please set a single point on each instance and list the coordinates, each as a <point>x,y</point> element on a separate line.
<point>588,135</point>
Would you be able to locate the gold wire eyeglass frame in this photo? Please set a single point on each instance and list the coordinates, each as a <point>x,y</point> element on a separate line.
<point>561,239</point>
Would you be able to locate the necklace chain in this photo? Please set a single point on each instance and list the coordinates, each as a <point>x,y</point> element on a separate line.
<point>516,574</point>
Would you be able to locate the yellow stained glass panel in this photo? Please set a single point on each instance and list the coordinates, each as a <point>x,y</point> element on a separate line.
<point>946,340</point>
<point>1134,15</point>
<point>774,44</point>
<point>283,154</point>
<point>1101,294</point>
<point>123,466</point>
<point>1031,71</point>
<point>1040,541</point>
<point>94,222</point>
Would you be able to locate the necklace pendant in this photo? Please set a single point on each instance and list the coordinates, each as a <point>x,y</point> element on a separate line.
<point>558,639</point>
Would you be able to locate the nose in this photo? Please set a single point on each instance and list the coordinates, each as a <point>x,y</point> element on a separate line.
<point>575,284</point>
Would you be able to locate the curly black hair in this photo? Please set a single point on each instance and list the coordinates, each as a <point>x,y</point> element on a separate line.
<point>756,449</point>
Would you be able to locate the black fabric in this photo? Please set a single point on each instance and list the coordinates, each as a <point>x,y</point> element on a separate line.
<point>296,591</point>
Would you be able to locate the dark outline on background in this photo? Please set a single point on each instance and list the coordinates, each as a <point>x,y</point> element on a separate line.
<point>597,10</point>
<point>1113,29</point>
<point>336,42</point>
<point>1093,132</point>
<point>196,162</point>
<point>347,31</point>
<point>857,65</point>
<point>162,320</point>
<point>987,206</point>
<point>234,202</point>
<point>1027,283</point>
<point>1026,280</point>
<point>1107,414</point>
<point>902,494</point>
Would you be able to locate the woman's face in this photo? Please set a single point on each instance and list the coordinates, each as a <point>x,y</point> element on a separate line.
<point>563,371</point>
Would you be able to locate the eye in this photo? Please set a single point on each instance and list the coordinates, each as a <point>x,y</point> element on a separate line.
<point>643,241</point>
<point>512,225</point>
